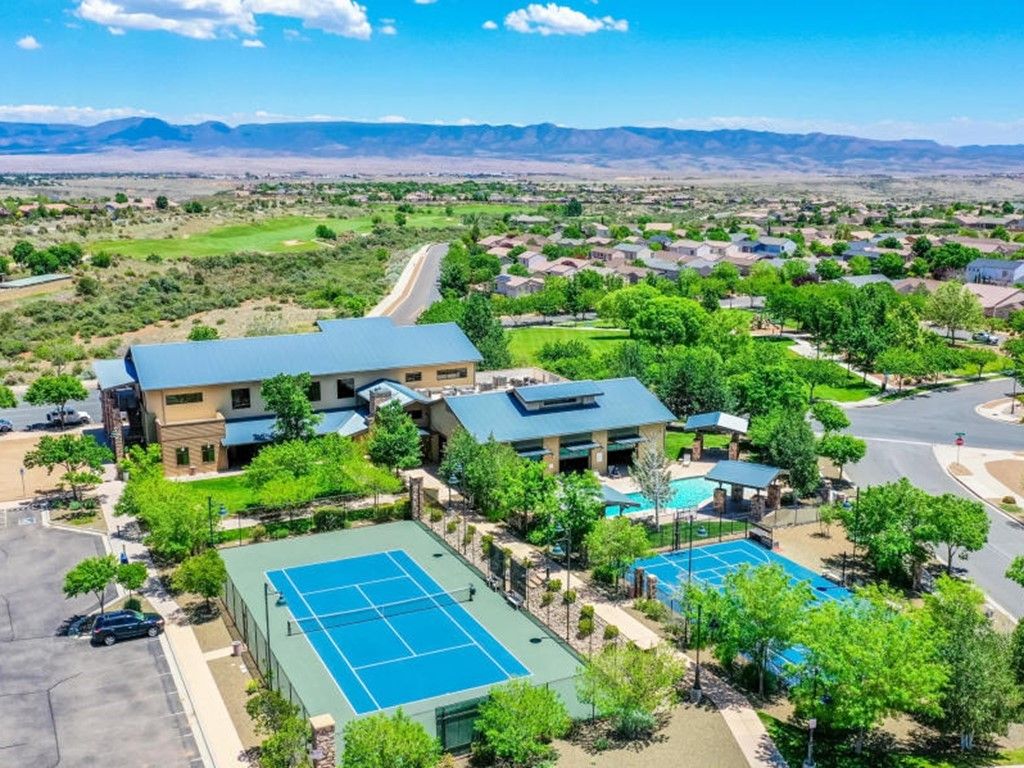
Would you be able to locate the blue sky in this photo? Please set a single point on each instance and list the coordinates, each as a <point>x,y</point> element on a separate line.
<point>886,69</point>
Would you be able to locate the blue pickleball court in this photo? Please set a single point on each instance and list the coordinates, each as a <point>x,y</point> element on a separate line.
<point>387,634</point>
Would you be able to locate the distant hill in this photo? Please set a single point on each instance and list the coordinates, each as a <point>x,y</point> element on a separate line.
<point>625,147</point>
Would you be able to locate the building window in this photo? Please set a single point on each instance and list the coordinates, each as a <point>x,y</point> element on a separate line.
<point>209,454</point>
<point>241,398</point>
<point>313,393</point>
<point>446,374</point>
<point>413,376</point>
<point>181,457</point>
<point>184,398</point>
<point>416,414</point>
<point>346,389</point>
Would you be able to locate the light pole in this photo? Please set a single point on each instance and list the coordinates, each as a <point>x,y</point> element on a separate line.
<point>809,760</point>
<point>267,590</point>
<point>209,516</point>
<point>695,692</point>
<point>21,471</point>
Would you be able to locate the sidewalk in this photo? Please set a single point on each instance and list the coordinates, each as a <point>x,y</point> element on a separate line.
<point>973,473</point>
<point>207,714</point>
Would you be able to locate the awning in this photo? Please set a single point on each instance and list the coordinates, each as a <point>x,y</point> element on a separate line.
<point>261,430</point>
<point>745,473</point>
<point>625,442</point>
<point>577,449</point>
<point>614,498</point>
<point>716,421</point>
<point>533,453</point>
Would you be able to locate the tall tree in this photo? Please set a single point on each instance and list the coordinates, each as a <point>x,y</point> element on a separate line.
<point>517,723</point>
<point>615,543</point>
<point>842,450</point>
<point>960,525</point>
<point>394,440</point>
<point>485,331</point>
<point>203,574</point>
<point>55,390</point>
<point>954,307</point>
<point>817,373</point>
<point>287,397</point>
<point>380,741</point>
<point>651,473</point>
<point>693,380</point>
<point>80,456</point>
<point>831,417</point>
<point>91,576</point>
<point>785,439</point>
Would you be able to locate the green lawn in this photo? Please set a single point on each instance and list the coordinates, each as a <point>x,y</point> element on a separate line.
<point>852,390</point>
<point>287,234</point>
<point>525,343</point>
<point>677,442</point>
<point>229,491</point>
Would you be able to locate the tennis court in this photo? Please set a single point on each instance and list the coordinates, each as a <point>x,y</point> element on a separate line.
<point>387,633</point>
<point>711,563</point>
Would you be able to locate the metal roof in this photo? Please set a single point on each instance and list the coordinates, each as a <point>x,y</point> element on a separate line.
<point>112,373</point>
<point>27,282</point>
<point>745,473</point>
<point>614,498</point>
<point>399,392</point>
<point>623,403</point>
<point>261,429</point>
<point>538,393</point>
<point>716,420</point>
<point>341,346</point>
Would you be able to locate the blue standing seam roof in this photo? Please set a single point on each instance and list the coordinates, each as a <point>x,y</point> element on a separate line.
<point>112,373</point>
<point>541,392</point>
<point>716,420</point>
<point>341,346</point>
<point>743,473</point>
<point>261,429</point>
<point>624,403</point>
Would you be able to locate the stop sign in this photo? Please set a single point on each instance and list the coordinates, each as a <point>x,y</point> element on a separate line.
<point>959,441</point>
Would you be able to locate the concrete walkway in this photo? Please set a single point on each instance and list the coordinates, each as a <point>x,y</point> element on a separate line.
<point>744,724</point>
<point>207,712</point>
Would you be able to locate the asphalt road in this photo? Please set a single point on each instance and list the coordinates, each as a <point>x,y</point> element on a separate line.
<point>424,291</point>
<point>25,416</point>
<point>900,437</point>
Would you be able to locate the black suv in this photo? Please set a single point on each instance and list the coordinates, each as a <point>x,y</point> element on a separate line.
<point>121,625</point>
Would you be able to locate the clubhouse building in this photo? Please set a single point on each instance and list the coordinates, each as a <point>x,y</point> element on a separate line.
<point>201,400</point>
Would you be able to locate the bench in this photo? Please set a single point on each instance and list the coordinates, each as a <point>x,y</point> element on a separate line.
<point>515,600</point>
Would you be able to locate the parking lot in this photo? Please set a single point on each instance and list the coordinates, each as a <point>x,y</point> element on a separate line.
<point>62,701</point>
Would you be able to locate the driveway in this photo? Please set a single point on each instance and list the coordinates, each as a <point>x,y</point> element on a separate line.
<point>62,701</point>
<point>900,436</point>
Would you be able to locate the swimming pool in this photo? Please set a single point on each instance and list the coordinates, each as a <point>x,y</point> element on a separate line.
<point>690,492</point>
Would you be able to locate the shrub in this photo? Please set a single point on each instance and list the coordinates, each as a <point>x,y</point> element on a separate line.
<point>517,723</point>
<point>133,604</point>
<point>452,526</point>
<point>585,627</point>
<point>1009,500</point>
<point>486,542</point>
<point>280,533</point>
<point>330,519</point>
<point>586,612</point>
<point>610,632</point>
<point>436,515</point>
<point>547,599</point>
<point>655,610</point>
<point>554,585</point>
<point>569,596</point>
<point>258,533</point>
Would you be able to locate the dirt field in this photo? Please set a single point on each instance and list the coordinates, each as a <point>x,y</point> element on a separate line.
<point>699,733</point>
<point>1009,472</point>
<point>13,448</point>
<point>812,547</point>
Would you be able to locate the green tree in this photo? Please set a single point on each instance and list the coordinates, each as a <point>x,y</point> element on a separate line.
<point>485,331</point>
<point>668,320</point>
<point>651,473</point>
<point>891,265</point>
<point>615,543</point>
<point>573,208</point>
<point>80,456</point>
<point>202,332</point>
<point>859,265</point>
<point>758,611</point>
<point>980,696</point>
<point>121,198</point>
<point>831,417</point>
<point>203,574</point>
<point>829,269</point>
<point>394,440</point>
<point>22,252</point>
<point>785,439</point>
<point>380,741</point>
<point>817,373</point>
<point>131,576</point>
<point>954,307</point>
<point>91,576</point>
<point>693,380</point>
<point>631,685</point>
<point>517,723</point>
<point>1015,571</point>
<point>979,358</point>
<point>959,524</point>
<point>288,733</point>
<point>175,518</point>
<point>579,505</point>
<point>865,660</point>
<point>324,232</point>
<point>7,398</point>
<point>55,390</point>
<point>842,450</point>
<point>287,397</point>
<point>162,203</point>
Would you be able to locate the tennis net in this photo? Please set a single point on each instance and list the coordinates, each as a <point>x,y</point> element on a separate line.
<point>380,612</point>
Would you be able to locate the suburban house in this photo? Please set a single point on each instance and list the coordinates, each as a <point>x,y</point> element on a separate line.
<point>693,249</point>
<point>768,246</point>
<point>607,255</point>
<point>635,251</point>
<point>201,400</point>
<point>597,229</point>
<point>514,286</point>
<point>995,300</point>
<point>995,271</point>
<point>570,426</point>
<point>663,267</point>
<point>531,261</point>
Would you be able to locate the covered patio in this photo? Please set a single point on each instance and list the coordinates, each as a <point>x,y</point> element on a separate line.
<point>740,475</point>
<point>716,422</point>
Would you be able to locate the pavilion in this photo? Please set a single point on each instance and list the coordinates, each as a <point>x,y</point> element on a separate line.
<point>744,474</point>
<point>720,423</point>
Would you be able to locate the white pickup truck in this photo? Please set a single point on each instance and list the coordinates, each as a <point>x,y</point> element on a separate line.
<point>72,418</point>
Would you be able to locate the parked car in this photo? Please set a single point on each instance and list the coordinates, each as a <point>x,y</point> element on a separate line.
<point>984,337</point>
<point>71,417</point>
<point>121,625</point>
<point>6,426</point>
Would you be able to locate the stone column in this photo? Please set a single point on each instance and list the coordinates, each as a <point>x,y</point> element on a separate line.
<point>719,501</point>
<point>734,448</point>
<point>737,493</point>
<point>652,587</point>
<point>323,741</point>
<point>697,450</point>
<point>774,496</point>
<point>416,497</point>
<point>757,508</point>
<point>638,582</point>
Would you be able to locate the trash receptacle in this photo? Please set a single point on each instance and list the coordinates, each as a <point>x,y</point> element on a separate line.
<point>236,647</point>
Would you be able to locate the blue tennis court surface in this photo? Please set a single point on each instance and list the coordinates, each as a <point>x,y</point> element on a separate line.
<point>711,563</point>
<point>387,633</point>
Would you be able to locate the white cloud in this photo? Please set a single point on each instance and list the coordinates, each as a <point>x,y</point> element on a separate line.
<point>29,43</point>
<point>49,113</point>
<point>388,29</point>
<point>424,2</point>
<point>392,119</point>
<point>253,44</point>
<point>210,19</point>
<point>489,24</point>
<point>554,19</point>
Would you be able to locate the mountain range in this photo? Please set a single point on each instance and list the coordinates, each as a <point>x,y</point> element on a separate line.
<point>658,149</point>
